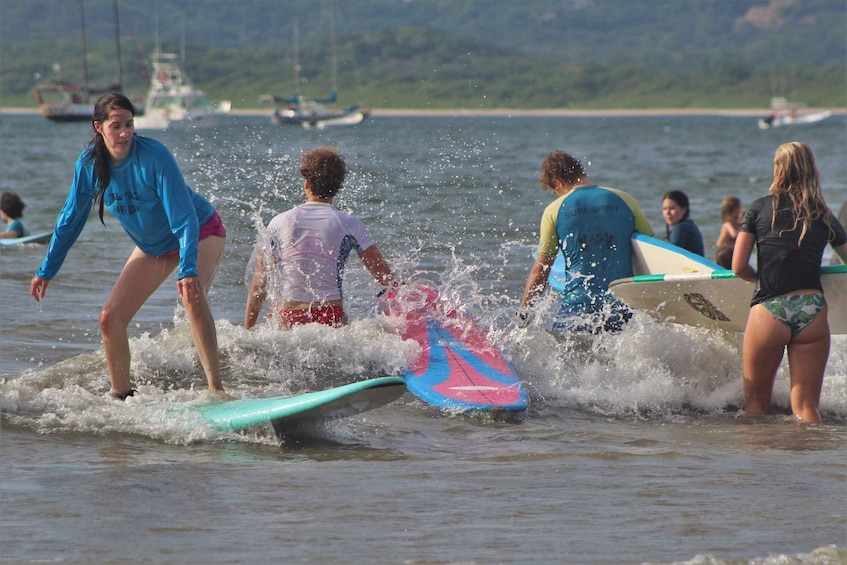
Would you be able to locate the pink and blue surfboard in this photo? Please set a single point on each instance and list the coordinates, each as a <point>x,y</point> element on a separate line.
<point>458,369</point>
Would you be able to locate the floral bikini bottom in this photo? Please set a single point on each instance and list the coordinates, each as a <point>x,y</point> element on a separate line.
<point>795,311</point>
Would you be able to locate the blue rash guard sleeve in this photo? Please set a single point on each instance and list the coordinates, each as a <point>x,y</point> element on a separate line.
<point>71,219</point>
<point>180,213</point>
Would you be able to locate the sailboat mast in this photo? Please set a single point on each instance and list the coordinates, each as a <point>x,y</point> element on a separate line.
<point>334,76</point>
<point>296,60</point>
<point>182,45</point>
<point>84,50</point>
<point>116,20</point>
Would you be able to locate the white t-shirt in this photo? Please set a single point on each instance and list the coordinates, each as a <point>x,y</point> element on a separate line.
<point>311,244</point>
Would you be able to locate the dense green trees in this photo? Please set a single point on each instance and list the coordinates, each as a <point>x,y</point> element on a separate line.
<point>454,53</point>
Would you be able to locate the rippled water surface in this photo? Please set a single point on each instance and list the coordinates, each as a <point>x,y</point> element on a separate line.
<point>633,451</point>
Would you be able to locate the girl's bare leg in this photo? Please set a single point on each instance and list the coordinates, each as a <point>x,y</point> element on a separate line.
<point>807,356</point>
<point>139,279</point>
<point>765,339</point>
<point>209,255</point>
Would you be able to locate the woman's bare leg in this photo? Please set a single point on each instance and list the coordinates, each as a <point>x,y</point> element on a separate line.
<point>139,279</point>
<point>765,339</point>
<point>209,255</point>
<point>807,356</point>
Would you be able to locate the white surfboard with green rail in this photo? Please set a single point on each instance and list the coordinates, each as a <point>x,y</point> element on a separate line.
<point>717,299</point>
<point>675,285</point>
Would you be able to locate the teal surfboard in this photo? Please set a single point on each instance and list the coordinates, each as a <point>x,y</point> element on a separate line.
<point>35,238</point>
<point>324,405</point>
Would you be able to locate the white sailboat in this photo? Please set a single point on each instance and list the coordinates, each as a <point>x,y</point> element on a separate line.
<point>64,101</point>
<point>311,112</point>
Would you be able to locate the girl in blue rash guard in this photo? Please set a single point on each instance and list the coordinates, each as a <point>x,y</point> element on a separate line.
<point>138,180</point>
<point>592,227</point>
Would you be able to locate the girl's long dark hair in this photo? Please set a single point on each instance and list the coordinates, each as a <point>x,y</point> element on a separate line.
<point>98,153</point>
<point>681,200</point>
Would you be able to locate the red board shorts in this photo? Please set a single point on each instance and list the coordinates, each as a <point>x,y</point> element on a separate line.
<point>330,315</point>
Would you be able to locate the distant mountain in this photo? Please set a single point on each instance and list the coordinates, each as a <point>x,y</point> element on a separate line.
<point>582,53</point>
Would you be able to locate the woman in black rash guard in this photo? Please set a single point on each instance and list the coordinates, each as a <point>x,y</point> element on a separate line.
<point>790,229</point>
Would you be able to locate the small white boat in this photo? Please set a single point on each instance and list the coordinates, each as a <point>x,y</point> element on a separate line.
<point>785,113</point>
<point>64,102</point>
<point>172,99</point>
<point>314,113</point>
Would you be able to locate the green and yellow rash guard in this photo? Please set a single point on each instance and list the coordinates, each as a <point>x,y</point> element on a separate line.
<point>593,227</point>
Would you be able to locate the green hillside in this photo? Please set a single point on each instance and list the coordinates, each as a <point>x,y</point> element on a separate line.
<point>450,53</point>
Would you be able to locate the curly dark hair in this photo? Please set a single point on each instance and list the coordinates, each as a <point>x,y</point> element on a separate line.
<point>562,166</point>
<point>325,170</point>
<point>12,205</point>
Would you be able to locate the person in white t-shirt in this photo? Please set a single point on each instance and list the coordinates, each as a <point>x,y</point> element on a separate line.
<point>307,248</point>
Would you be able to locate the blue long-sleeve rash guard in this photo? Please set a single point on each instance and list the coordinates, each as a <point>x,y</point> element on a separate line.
<point>148,194</point>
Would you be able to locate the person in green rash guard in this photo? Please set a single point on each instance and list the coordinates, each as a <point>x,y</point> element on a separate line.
<point>173,227</point>
<point>592,227</point>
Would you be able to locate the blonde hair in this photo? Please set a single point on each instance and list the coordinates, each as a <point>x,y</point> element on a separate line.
<point>796,176</point>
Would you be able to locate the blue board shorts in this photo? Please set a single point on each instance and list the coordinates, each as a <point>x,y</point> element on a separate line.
<point>592,318</point>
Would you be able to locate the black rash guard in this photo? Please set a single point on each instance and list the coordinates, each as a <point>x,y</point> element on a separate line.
<point>782,266</point>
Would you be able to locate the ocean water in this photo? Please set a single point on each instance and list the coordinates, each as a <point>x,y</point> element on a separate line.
<point>634,449</point>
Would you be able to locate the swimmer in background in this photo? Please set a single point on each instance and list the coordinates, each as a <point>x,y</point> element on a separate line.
<point>681,229</point>
<point>12,210</point>
<point>731,214</point>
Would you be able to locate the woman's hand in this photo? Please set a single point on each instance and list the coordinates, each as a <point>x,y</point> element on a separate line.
<point>190,289</point>
<point>38,288</point>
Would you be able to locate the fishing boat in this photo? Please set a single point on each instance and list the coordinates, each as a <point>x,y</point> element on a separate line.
<point>785,113</point>
<point>64,101</point>
<point>312,112</point>
<point>173,100</point>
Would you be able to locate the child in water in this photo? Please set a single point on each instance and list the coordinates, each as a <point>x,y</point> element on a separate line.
<point>731,213</point>
<point>12,210</point>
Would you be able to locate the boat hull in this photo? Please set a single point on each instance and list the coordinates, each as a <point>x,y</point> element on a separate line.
<point>350,116</point>
<point>796,120</point>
